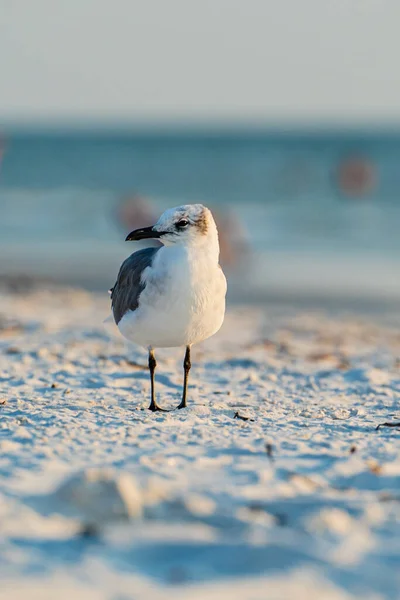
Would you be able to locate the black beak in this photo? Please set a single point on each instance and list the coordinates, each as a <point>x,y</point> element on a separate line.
<point>143,234</point>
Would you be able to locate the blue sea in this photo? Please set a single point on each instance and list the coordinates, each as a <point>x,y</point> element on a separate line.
<point>320,210</point>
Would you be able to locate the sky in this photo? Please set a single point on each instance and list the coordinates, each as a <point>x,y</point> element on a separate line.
<point>271,61</point>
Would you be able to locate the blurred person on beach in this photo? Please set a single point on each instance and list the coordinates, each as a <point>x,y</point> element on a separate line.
<point>356,177</point>
<point>137,211</point>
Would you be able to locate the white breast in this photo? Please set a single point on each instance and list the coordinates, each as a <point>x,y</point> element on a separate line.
<point>183,302</point>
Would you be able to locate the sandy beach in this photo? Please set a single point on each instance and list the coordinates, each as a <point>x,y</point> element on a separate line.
<point>273,483</point>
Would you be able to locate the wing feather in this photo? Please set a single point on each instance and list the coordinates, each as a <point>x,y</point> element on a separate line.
<point>129,285</point>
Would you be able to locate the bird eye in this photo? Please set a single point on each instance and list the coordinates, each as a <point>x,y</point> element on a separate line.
<point>182,223</point>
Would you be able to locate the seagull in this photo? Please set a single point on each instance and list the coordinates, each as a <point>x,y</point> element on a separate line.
<point>173,295</point>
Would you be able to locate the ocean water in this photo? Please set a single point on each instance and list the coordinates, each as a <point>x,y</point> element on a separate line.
<point>320,212</point>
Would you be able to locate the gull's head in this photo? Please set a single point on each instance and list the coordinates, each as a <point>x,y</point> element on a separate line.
<point>188,225</point>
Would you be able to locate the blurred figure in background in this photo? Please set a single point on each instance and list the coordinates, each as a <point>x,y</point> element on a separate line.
<point>233,244</point>
<point>137,211</point>
<point>356,177</point>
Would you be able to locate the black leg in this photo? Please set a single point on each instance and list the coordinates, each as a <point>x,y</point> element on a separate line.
<point>152,367</point>
<point>186,365</point>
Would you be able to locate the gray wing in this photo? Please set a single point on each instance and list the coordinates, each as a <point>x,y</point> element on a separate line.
<point>125,293</point>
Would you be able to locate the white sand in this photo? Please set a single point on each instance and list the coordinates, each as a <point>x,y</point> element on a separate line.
<point>208,514</point>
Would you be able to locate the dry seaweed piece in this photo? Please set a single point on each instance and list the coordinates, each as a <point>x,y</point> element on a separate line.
<point>387,424</point>
<point>11,350</point>
<point>243,418</point>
